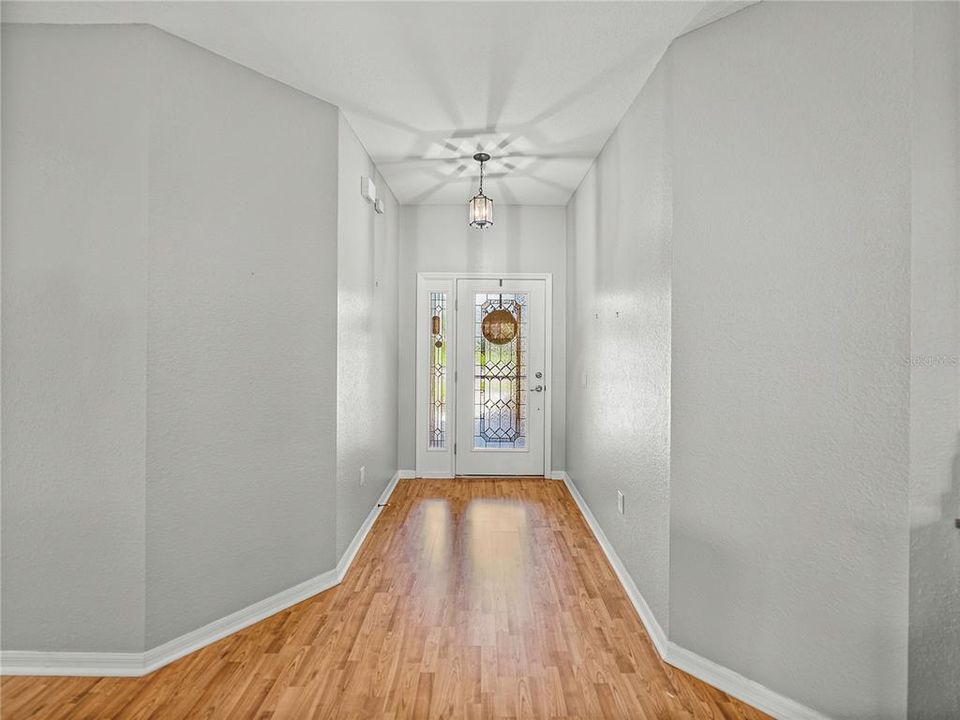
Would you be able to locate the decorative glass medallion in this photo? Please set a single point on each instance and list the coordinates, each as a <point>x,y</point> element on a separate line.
<point>499,326</point>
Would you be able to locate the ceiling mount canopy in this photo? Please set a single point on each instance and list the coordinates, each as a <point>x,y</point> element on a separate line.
<point>481,207</point>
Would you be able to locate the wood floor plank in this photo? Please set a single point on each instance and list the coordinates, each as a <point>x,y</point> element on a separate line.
<point>470,600</point>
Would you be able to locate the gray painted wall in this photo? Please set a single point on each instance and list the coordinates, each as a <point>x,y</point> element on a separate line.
<point>791,319</point>
<point>436,238</point>
<point>785,164</point>
<point>155,450</point>
<point>169,317</point>
<point>618,354</point>
<point>367,384</point>
<point>934,687</point>
<point>241,419</point>
<point>74,364</point>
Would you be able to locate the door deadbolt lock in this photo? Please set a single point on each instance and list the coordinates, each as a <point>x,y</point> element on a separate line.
<point>539,375</point>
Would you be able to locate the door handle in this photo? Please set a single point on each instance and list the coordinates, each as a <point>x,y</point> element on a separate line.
<point>538,388</point>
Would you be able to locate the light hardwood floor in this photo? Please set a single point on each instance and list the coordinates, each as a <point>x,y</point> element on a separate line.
<point>470,599</point>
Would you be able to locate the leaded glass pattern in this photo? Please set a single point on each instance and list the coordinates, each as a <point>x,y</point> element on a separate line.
<point>500,372</point>
<point>437,409</point>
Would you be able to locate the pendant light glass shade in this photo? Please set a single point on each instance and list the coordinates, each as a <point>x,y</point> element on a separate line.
<point>481,211</point>
<point>481,207</point>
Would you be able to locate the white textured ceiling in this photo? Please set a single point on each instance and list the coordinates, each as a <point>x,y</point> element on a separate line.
<point>538,85</point>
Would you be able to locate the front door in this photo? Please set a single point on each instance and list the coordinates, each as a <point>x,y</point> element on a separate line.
<point>501,387</point>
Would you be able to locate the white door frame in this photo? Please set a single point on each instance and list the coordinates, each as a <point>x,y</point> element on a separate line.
<point>441,463</point>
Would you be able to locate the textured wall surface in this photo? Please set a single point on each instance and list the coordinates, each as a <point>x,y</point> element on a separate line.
<point>242,339</point>
<point>934,686</point>
<point>436,238</point>
<point>367,339</point>
<point>169,321</point>
<point>791,322</point>
<point>74,337</point>
<point>172,312</point>
<point>618,344</point>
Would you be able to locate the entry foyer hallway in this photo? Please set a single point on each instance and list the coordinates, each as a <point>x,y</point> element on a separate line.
<point>469,599</point>
<point>250,286</point>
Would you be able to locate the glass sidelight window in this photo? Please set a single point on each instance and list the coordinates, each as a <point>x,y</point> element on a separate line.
<point>437,408</point>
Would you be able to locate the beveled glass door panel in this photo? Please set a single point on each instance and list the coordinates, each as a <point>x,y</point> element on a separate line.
<point>500,398</point>
<point>500,334</point>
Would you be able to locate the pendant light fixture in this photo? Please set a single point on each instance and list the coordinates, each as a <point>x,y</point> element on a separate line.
<point>481,207</point>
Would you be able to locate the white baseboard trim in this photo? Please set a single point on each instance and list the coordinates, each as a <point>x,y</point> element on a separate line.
<point>433,475</point>
<point>407,474</point>
<point>13,662</point>
<point>656,633</point>
<point>722,678</point>
<point>740,687</point>
<point>81,664</point>
<point>351,552</point>
<point>192,641</point>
